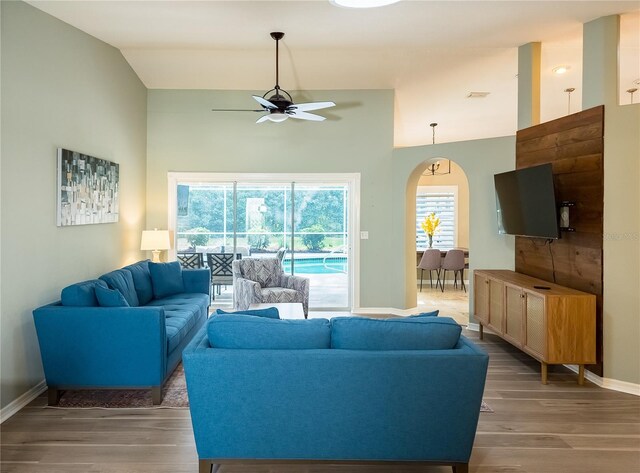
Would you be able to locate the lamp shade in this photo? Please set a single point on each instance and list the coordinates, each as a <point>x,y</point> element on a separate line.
<point>155,240</point>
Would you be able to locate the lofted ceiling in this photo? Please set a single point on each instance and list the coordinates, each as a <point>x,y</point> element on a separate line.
<point>433,53</point>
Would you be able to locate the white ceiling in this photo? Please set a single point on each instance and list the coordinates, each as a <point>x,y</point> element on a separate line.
<point>433,53</point>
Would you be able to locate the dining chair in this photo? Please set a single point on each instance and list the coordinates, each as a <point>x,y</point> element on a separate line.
<point>453,261</point>
<point>431,261</point>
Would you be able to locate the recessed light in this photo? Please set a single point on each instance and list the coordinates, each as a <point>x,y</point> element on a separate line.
<point>636,82</point>
<point>560,69</point>
<point>362,3</point>
<point>477,95</point>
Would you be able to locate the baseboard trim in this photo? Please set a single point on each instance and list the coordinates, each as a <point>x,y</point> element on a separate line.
<point>473,327</point>
<point>609,383</point>
<point>14,406</point>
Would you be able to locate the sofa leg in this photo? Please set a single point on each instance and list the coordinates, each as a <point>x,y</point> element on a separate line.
<point>53,395</point>
<point>156,395</point>
<point>205,466</point>
<point>460,468</point>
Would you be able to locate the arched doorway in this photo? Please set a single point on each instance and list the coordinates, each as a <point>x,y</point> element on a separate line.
<point>441,189</point>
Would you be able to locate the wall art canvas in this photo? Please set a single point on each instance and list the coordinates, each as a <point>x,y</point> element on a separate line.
<point>88,189</point>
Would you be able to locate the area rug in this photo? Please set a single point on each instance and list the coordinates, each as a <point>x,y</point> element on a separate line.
<point>484,407</point>
<point>174,396</point>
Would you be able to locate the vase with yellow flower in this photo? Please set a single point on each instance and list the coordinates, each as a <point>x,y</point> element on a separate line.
<point>430,226</point>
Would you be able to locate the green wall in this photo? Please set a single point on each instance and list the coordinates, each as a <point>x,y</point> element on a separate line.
<point>621,248</point>
<point>480,160</point>
<point>60,87</point>
<point>185,135</point>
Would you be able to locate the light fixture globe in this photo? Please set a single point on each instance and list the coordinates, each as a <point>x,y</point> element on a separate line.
<point>277,117</point>
<point>362,3</point>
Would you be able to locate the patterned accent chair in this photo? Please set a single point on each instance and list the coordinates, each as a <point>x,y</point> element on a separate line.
<point>263,281</point>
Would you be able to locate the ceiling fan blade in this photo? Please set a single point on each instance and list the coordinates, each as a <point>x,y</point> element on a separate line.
<point>306,107</point>
<point>264,102</point>
<point>305,116</point>
<point>262,119</point>
<point>234,110</point>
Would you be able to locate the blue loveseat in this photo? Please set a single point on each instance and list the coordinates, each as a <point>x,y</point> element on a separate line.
<point>126,329</point>
<point>345,390</point>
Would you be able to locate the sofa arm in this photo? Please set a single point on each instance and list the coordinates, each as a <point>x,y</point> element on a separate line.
<point>197,280</point>
<point>102,346</point>
<point>246,292</point>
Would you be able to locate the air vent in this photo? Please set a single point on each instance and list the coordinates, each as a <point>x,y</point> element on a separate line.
<point>477,95</point>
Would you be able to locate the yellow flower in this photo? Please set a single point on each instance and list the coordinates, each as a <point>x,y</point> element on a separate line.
<point>430,224</point>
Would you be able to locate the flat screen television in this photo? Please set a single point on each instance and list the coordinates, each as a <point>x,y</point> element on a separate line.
<point>526,203</point>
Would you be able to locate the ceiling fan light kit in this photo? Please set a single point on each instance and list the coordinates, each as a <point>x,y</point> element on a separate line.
<point>279,105</point>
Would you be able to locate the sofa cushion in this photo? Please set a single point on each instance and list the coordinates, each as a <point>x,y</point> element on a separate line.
<point>179,320</point>
<point>81,294</point>
<point>423,333</point>
<point>270,312</point>
<point>197,298</point>
<point>250,332</point>
<point>110,297</point>
<point>122,280</point>
<point>141,280</point>
<point>166,279</point>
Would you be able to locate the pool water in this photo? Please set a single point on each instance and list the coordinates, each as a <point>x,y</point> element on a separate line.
<point>317,266</point>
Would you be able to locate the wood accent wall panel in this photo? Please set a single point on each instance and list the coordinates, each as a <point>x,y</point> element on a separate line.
<point>574,145</point>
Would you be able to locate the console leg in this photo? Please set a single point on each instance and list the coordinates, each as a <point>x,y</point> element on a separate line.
<point>581,375</point>
<point>481,331</point>
<point>544,370</point>
<point>53,395</point>
<point>156,395</point>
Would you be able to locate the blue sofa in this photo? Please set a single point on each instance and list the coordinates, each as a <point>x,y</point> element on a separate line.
<point>126,329</point>
<point>345,390</point>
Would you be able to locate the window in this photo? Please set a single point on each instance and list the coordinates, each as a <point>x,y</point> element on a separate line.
<point>443,200</point>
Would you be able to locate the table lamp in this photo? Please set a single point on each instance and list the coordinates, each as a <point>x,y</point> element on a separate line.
<point>156,241</point>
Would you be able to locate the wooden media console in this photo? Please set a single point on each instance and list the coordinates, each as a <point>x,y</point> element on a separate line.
<point>552,323</point>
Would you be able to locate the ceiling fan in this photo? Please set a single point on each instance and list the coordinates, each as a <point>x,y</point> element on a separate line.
<point>280,106</point>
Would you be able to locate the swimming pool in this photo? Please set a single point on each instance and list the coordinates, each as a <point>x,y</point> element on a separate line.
<point>317,265</point>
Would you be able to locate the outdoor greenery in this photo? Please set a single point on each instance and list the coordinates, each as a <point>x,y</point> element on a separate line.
<point>314,240</point>
<point>199,237</point>
<point>316,210</point>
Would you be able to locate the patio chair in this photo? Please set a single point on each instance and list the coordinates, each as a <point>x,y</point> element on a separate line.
<point>262,280</point>
<point>221,272</point>
<point>189,260</point>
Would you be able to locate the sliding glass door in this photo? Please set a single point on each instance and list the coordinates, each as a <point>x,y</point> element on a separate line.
<point>306,224</point>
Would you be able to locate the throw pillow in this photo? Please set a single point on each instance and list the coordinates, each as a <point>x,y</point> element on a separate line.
<point>425,333</point>
<point>81,294</point>
<point>166,279</point>
<point>110,297</point>
<point>250,332</point>
<point>270,312</point>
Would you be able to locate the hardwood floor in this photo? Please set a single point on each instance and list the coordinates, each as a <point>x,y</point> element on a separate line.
<point>558,428</point>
